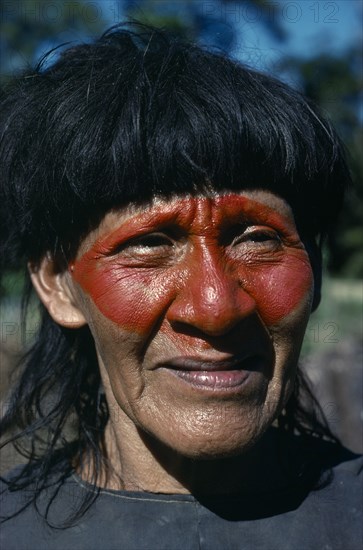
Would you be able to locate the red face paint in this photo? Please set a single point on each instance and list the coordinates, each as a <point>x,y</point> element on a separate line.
<point>206,262</point>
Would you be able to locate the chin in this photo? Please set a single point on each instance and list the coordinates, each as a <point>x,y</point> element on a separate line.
<point>215,447</point>
<point>220,452</point>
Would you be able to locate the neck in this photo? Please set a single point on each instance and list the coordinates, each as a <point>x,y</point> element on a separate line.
<point>140,463</point>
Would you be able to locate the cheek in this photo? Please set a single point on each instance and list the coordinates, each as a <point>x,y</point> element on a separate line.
<point>133,299</point>
<point>280,289</point>
<point>136,300</point>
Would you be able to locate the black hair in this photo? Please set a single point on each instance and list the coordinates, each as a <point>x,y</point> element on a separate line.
<point>138,114</point>
<point>134,115</point>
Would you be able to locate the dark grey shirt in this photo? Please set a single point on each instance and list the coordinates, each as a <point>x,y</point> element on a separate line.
<point>326,519</point>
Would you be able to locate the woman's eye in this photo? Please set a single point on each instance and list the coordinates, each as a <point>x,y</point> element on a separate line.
<point>145,244</point>
<point>262,237</point>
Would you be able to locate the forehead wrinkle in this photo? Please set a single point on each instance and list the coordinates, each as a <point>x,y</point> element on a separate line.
<point>204,218</point>
<point>201,215</point>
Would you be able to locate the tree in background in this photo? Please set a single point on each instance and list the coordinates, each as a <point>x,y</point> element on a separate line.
<point>335,84</point>
<point>213,23</point>
<point>30,28</point>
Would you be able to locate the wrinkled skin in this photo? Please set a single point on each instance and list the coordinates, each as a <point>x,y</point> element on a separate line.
<point>174,291</point>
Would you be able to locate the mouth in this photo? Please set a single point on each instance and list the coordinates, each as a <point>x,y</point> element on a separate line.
<point>223,375</point>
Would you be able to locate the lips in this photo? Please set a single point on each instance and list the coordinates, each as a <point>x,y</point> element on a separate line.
<point>227,374</point>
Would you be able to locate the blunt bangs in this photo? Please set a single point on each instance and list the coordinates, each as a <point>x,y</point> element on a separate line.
<point>138,114</point>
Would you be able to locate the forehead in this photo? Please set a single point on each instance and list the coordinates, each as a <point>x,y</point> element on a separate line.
<point>196,212</point>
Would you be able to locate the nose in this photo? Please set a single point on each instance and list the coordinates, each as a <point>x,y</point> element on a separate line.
<point>211,298</point>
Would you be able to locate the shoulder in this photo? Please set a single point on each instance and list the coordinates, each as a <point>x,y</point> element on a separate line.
<point>340,472</point>
<point>23,524</point>
<point>332,512</point>
<point>346,485</point>
<point>342,465</point>
<point>327,517</point>
<point>114,520</point>
<point>351,467</point>
<point>343,479</point>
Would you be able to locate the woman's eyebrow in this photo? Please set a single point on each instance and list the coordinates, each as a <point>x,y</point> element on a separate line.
<point>136,225</point>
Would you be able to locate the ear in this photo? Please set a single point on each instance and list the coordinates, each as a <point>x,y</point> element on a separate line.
<point>54,290</point>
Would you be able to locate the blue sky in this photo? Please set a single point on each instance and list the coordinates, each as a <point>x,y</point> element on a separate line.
<point>311,26</point>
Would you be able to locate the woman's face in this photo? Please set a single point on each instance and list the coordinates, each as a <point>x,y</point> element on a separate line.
<point>198,307</point>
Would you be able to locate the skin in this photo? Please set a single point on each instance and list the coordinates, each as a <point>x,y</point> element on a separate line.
<point>216,280</point>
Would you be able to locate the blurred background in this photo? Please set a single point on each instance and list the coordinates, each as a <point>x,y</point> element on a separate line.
<point>315,46</point>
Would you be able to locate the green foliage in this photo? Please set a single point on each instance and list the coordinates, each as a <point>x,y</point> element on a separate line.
<point>13,283</point>
<point>31,28</point>
<point>335,84</point>
<point>212,23</point>
<point>338,318</point>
